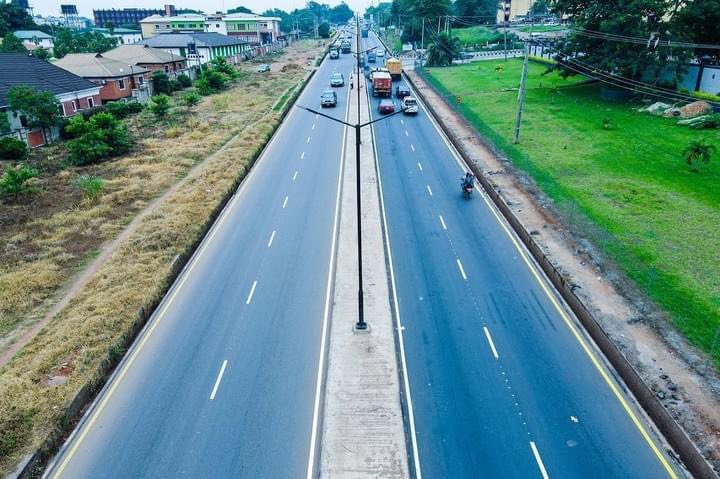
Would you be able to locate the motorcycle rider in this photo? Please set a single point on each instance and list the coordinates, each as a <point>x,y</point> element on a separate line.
<point>469,180</point>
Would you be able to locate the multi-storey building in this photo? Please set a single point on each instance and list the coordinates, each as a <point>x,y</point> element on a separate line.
<point>128,16</point>
<point>253,29</point>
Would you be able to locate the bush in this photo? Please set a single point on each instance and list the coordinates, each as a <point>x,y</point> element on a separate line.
<point>13,149</point>
<point>99,137</point>
<point>210,82</point>
<point>14,179</point>
<point>161,83</point>
<point>220,64</point>
<point>184,80</point>
<point>175,85</point>
<point>91,186</point>
<point>191,98</point>
<point>121,109</point>
<point>160,105</point>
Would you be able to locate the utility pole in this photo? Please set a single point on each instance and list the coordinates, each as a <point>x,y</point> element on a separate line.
<point>506,16</point>
<point>521,95</point>
<point>422,35</point>
<point>361,325</point>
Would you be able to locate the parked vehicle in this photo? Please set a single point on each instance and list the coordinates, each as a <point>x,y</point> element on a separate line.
<point>334,55</point>
<point>394,66</point>
<point>386,106</point>
<point>337,79</point>
<point>328,98</point>
<point>409,105</point>
<point>402,91</point>
<point>381,83</point>
<point>263,68</point>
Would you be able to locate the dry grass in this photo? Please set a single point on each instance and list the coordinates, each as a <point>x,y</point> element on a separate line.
<point>41,253</point>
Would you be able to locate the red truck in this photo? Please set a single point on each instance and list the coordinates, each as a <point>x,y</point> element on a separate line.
<point>381,83</point>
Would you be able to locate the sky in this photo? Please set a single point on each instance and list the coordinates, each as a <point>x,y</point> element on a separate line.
<point>85,7</point>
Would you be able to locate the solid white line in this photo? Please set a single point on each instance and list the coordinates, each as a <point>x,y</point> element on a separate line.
<point>420,166</point>
<point>462,270</point>
<point>308,140</point>
<point>302,156</point>
<point>442,221</point>
<point>539,460</point>
<point>326,314</point>
<point>285,202</point>
<point>252,291</point>
<point>398,325</point>
<point>412,147</point>
<point>272,237</point>
<point>217,381</point>
<point>492,344</point>
<point>429,190</point>
<point>295,176</point>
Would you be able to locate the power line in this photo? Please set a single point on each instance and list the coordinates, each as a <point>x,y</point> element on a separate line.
<point>653,41</point>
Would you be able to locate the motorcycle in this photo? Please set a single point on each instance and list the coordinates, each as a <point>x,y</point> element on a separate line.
<point>467,188</point>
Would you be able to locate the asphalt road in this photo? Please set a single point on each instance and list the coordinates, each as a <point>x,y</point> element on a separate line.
<point>223,382</point>
<point>502,383</point>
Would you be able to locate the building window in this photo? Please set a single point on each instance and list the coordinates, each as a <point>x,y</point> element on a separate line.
<point>167,69</point>
<point>217,25</point>
<point>141,80</point>
<point>241,26</point>
<point>91,103</point>
<point>74,106</point>
<point>121,84</point>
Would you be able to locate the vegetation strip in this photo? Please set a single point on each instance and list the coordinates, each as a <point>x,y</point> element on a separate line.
<point>35,410</point>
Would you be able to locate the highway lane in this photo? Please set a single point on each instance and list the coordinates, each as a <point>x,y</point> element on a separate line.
<point>223,382</point>
<point>502,384</point>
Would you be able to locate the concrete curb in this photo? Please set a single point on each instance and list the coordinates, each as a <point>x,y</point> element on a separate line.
<point>671,430</point>
<point>35,464</point>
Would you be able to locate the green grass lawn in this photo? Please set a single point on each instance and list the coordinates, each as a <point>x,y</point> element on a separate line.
<point>476,35</point>
<point>627,187</point>
<point>541,28</point>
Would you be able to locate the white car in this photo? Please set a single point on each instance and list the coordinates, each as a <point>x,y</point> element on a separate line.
<point>409,105</point>
<point>380,54</point>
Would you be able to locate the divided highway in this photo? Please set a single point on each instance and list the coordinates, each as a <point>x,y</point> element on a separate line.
<point>224,380</point>
<point>502,382</point>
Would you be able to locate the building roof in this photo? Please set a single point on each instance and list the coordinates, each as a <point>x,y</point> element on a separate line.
<point>32,34</point>
<point>117,31</point>
<point>181,40</point>
<point>249,16</point>
<point>137,53</point>
<point>95,65</point>
<point>194,17</point>
<point>21,69</point>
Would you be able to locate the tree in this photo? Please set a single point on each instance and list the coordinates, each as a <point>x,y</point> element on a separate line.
<point>12,149</point>
<point>161,83</point>
<point>99,137</point>
<point>12,44</point>
<point>13,17</point>
<point>634,18</point>
<point>540,7</point>
<point>110,26</point>
<point>324,30</point>
<point>41,53</point>
<point>14,179</point>
<point>486,9</point>
<point>698,150</point>
<point>160,105</point>
<point>699,22</point>
<point>39,109</point>
<point>340,13</point>
<point>68,41</point>
<point>443,51</point>
<point>240,9</point>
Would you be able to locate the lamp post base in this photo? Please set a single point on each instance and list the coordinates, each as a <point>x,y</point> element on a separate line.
<point>361,328</point>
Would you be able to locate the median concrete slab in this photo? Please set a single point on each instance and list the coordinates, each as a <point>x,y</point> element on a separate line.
<point>363,433</point>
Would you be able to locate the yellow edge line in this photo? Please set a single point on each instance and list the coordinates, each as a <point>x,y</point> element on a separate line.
<point>584,344</point>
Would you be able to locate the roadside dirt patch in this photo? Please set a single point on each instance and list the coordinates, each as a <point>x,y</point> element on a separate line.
<point>683,379</point>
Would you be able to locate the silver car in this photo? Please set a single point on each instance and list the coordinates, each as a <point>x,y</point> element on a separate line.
<point>337,79</point>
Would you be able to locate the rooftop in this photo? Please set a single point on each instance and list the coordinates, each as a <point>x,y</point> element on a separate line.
<point>181,40</point>
<point>116,30</point>
<point>95,65</point>
<point>30,34</point>
<point>22,69</point>
<point>138,53</point>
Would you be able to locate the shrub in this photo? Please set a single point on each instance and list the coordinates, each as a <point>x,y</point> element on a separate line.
<point>91,186</point>
<point>160,105</point>
<point>13,180</point>
<point>191,98</point>
<point>161,83</point>
<point>13,149</point>
<point>175,85</point>
<point>698,150</point>
<point>210,82</point>
<point>220,64</point>
<point>184,80</point>
<point>99,137</point>
<point>120,109</point>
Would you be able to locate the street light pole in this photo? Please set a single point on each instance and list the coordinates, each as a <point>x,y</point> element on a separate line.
<point>361,325</point>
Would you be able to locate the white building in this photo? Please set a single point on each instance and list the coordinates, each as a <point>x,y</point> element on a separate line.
<point>35,37</point>
<point>125,36</point>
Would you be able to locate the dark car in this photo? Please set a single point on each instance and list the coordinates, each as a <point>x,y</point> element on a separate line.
<point>328,98</point>
<point>402,91</point>
<point>386,106</point>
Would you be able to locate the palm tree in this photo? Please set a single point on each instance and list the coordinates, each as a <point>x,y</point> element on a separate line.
<point>698,150</point>
<point>443,51</point>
